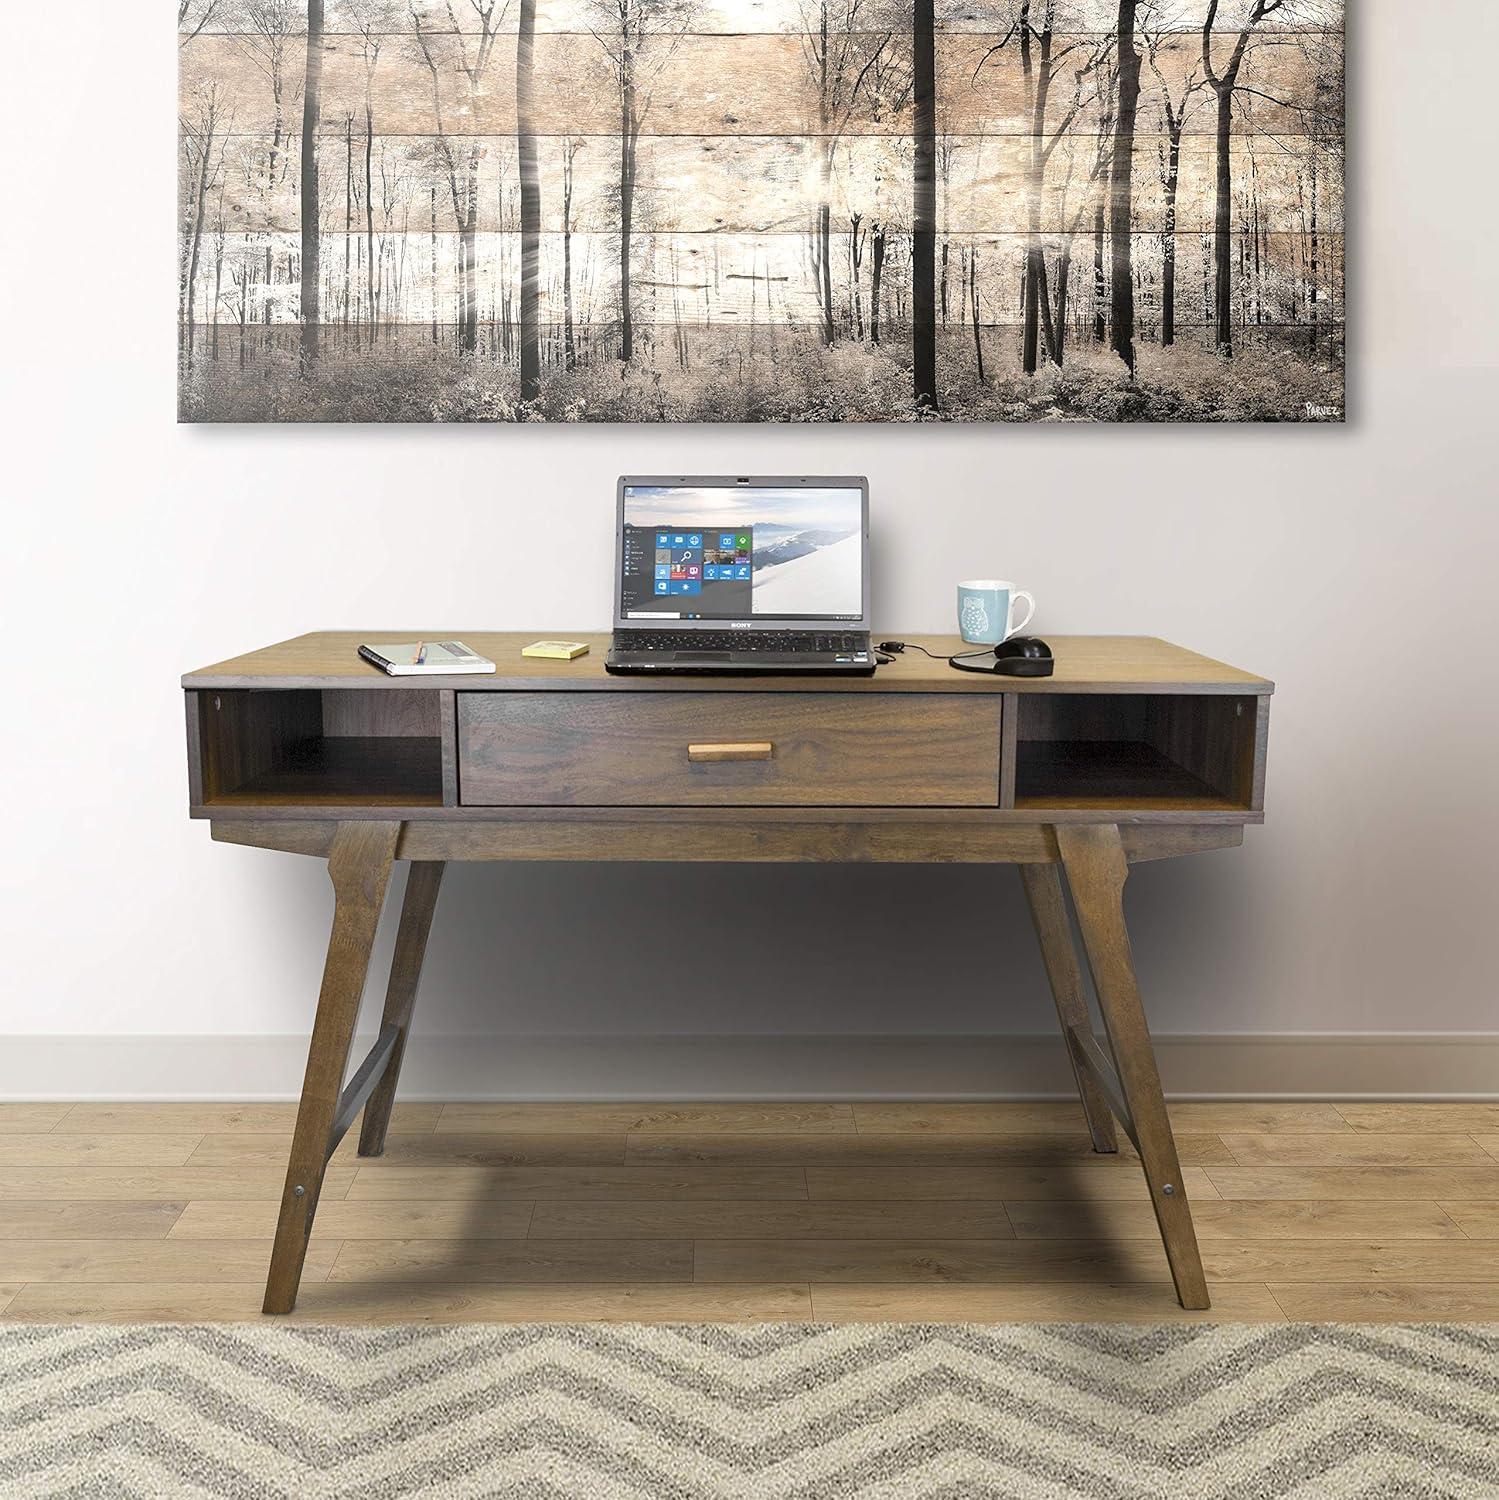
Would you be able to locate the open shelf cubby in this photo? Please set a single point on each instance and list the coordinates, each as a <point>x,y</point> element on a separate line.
<point>1136,752</point>
<point>310,748</point>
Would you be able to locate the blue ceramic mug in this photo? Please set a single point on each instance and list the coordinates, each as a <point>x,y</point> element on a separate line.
<point>986,611</point>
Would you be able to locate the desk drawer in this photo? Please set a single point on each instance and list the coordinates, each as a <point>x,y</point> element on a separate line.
<point>790,749</point>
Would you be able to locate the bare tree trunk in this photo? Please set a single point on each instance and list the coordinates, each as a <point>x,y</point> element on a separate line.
<point>1254,229</point>
<point>244,314</point>
<point>973,294</point>
<point>396,303</point>
<point>1244,267</point>
<point>628,126</point>
<point>1223,332</point>
<point>312,98</point>
<point>1121,195</point>
<point>1059,332</point>
<point>824,252</point>
<point>1205,254</point>
<point>530,205</point>
<point>626,211</point>
<point>924,221</point>
<point>1313,289</point>
<point>944,179</point>
<point>1043,307</point>
<point>190,277</point>
<point>876,275</point>
<point>433,248</point>
<point>1168,239</point>
<point>348,210</point>
<point>469,336</point>
<point>824,208</point>
<point>218,269</point>
<point>273,167</point>
<point>856,266</point>
<point>569,343</point>
<point>1100,280</point>
<point>278,126</point>
<point>676,310</point>
<point>1303,274</point>
<point>1039,91</point>
<point>369,218</point>
<point>458,313</point>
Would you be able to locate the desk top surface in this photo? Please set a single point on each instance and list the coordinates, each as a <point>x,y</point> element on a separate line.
<point>1085,663</point>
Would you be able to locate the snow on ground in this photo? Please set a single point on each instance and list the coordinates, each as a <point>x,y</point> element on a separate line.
<point>826,582</point>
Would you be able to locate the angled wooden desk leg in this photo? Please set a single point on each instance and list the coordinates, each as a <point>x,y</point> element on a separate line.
<point>422,883</point>
<point>359,865</point>
<point>1097,868</point>
<point>1043,892</point>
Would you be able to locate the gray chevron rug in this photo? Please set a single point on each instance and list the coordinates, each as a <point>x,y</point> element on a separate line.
<point>591,1412</point>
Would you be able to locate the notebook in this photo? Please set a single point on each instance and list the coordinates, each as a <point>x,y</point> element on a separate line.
<point>426,658</point>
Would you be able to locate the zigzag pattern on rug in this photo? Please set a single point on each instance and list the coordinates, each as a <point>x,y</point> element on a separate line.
<point>775,1410</point>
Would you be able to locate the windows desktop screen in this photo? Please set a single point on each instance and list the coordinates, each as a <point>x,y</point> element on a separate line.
<point>756,553</point>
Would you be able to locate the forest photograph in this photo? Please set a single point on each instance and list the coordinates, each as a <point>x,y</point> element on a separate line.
<point>760,210</point>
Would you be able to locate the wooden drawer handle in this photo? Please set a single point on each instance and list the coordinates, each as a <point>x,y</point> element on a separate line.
<point>744,750</point>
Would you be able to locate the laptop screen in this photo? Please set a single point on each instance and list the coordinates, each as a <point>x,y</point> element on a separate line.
<point>746,552</point>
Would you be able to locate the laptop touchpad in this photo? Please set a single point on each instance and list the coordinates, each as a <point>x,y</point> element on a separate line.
<point>700,656</point>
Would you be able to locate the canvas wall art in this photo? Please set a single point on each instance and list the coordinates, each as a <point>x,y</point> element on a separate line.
<point>761,210</point>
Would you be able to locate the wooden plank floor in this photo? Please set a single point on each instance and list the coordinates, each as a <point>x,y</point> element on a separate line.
<point>748,1212</point>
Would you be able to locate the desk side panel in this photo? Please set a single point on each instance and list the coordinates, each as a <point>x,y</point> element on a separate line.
<point>194,748</point>
<point>1009,735</point>
<point>1261,754</point>
<point>448,732</point>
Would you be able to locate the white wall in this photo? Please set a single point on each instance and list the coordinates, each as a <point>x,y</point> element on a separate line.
<point>1356,567</point>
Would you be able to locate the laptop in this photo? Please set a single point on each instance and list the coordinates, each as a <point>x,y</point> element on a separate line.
<point>742,574</point>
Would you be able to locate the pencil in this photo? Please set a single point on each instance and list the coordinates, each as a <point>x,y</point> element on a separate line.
<point>421,653</point>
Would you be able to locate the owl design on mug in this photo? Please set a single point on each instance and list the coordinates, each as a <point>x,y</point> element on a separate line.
<point>974,620</point>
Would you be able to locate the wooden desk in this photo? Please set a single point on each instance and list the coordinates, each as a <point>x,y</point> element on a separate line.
<point>1134,750</point>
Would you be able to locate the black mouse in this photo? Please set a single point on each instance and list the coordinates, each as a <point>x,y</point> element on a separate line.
<point>1024,656</point>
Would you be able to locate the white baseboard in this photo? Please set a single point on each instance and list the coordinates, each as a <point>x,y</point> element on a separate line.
<point>1399,1066</point>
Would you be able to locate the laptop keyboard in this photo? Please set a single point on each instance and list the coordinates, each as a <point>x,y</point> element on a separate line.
<point>736,640</point>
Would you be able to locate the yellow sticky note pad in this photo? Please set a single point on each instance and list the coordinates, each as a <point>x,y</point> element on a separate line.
<point>556,650</point>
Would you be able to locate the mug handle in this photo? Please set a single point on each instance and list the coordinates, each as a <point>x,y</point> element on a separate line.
<point>1030,599</point>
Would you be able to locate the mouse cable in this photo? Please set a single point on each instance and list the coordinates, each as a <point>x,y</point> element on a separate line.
<point>982,660</point>
<point>894,648</point>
